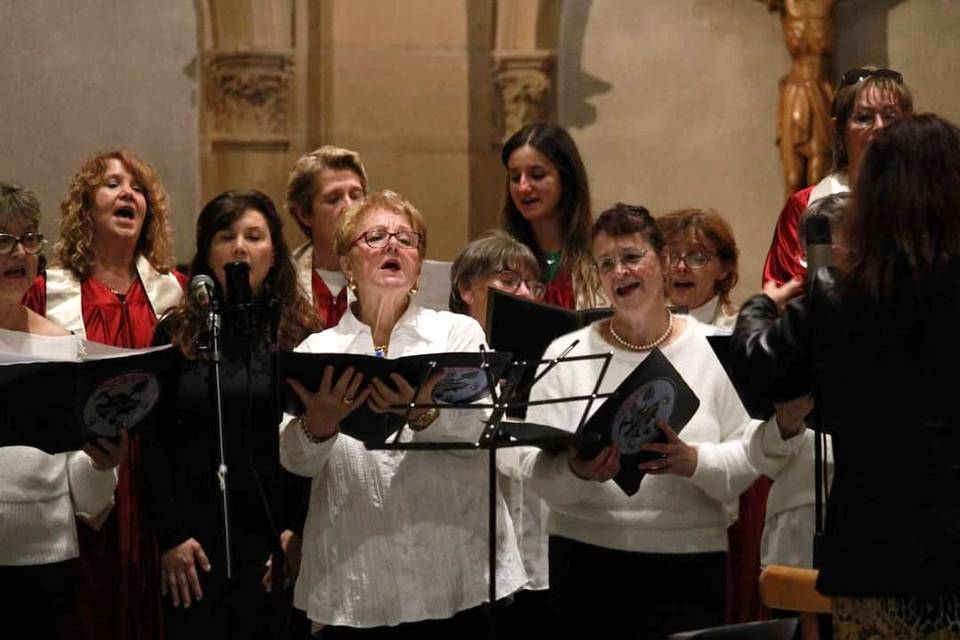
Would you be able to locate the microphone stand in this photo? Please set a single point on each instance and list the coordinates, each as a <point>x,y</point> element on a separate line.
<point>213,330</point>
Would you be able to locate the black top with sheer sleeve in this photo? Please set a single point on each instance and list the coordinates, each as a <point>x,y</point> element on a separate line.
<point>180,450</point>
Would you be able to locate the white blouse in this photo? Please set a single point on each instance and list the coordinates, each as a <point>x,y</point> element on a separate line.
<point>398,536</point>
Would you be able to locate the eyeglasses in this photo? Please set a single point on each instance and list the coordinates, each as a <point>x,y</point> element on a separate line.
<point>379,238</point>
<point>512,281</point>
<point>32,243</point>
<point>853,76</point>
<point>695,260</point>
<point>630,259</point>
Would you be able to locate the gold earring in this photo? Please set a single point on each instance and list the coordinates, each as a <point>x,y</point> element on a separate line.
<point>413,289</point>
<point>352,283</point>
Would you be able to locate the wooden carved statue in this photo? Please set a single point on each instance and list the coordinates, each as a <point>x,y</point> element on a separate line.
<point>804,132</point>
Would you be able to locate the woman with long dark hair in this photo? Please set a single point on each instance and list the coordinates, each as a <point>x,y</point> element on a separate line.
<point>547,208</point>
<point>876,343</point>
<point>181,452</point>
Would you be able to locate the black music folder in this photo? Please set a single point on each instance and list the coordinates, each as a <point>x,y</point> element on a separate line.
<point>526,328</point>
<point>653,390</point>
<point>758,398</point>
<point>57,406</point>
<point>465,379</point>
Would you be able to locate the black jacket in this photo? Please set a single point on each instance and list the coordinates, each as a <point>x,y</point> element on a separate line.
<point>885,379</point>
<point>180,452</point>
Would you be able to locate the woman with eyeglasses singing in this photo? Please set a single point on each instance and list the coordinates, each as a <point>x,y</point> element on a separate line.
<point>41,495</point>
<point>703,264</point>
<point>496,260</point>
<point>112,279</point>
<point>703,270</point>
<point>867,100</point>
<point>547,208</point>
<point>651,564</point>
<point>395,541</point>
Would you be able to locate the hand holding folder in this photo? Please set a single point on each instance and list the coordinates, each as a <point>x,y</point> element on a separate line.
<point>465,378</point>
<point>626,422</point>
<point>59,406</point>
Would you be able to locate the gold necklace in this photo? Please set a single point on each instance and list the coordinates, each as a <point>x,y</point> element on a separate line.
<point>644,347</point>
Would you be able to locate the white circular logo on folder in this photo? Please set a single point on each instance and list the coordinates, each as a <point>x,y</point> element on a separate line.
<point>120,402</point>
<point>635,422</point>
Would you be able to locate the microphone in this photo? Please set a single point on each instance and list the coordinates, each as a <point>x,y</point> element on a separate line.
<point>237,275</point>
<point>819,244</point>
<point>201,288</point>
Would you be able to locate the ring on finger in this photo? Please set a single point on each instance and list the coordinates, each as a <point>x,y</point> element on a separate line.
<point>347,400</point>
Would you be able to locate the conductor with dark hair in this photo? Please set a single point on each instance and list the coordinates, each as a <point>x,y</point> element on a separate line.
<point>876,342</point>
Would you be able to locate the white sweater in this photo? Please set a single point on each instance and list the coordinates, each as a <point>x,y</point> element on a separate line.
<point>669,514</point>
<point>40,494</point>
<point>789,525</point>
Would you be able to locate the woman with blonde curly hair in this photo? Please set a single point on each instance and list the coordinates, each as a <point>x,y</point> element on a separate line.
<point>112,279</point>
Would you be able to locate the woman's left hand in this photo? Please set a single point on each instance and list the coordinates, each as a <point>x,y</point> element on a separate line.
<point>106,454</point>
<point>382,395</point>
<point>676,456</point>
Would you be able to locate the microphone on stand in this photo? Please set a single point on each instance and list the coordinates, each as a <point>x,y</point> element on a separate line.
<point>237,275</point>
<point>240,295</point>
<point>201,289</point>
<point>819,244</point>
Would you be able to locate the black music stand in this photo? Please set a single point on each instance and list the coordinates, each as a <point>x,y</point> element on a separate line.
<point>493,438</point>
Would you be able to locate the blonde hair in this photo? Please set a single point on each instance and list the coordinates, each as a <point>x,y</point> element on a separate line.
<point>74,249</point>
<point>301,188</point>
<point>345,233</point>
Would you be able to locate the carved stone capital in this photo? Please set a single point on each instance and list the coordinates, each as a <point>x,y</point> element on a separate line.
<point>248,99</point>
<point>523,81</point>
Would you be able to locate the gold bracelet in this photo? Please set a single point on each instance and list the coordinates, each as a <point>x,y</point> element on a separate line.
<point>302,420</point>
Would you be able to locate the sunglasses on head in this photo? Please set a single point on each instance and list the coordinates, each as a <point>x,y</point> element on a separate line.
<point>853,76</point>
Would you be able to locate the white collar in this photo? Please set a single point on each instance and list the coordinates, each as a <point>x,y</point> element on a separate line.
<point>66,309</point>
<point>832,183</point>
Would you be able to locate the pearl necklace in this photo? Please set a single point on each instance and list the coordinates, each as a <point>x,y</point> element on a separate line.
<point>644,347</point>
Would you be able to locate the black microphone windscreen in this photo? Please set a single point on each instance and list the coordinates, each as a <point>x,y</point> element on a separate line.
<point>237,276</point>
<point>818,242</point>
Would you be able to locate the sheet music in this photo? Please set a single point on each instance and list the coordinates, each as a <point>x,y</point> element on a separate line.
<point>434,289</point>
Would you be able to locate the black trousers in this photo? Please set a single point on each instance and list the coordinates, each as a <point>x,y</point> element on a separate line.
<point>623,594</point>
<point>37,599</point>
<point>238,609</point>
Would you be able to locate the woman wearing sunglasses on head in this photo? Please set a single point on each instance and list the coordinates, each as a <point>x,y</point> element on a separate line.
<point>395,541</point>
<point>866,101</point>
<point>112,279</point>
<point>41,495</point>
